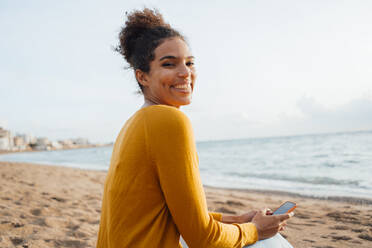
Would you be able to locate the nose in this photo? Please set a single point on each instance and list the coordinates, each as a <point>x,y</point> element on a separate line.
<point>184,71</point>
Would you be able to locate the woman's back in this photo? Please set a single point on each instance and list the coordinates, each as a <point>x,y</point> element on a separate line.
<point>153,190</point>
<point>134,212</point>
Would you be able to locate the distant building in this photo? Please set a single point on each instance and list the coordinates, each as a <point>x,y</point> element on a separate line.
<point>42,144</point>
<point>24,142</point>
<point>28,139</point>
<point>66,143</point>
<point>56,145</point>
<point>81,141</point>
<point>5,140</point>
<point>33,140</point>
<point>19,143</point>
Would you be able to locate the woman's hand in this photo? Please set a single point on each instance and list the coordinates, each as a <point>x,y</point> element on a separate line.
<point>247,217</point>
<point>268,225</point>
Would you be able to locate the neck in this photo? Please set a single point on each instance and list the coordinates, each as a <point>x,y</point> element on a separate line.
<point>148,102</point>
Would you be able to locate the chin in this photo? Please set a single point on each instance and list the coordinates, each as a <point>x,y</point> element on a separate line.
<point>186,101</point>
<point>182,102</point>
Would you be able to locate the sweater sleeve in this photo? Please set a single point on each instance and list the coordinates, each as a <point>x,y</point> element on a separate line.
<point>172,148</point>
<point>216,216</point>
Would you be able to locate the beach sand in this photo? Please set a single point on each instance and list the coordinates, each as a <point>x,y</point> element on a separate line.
<point>50,206</point>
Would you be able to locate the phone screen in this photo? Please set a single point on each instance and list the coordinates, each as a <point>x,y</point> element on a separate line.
<point>285,208</point>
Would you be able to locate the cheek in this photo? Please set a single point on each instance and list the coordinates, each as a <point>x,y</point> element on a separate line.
<point>167,79</point>
<point>193,75</point>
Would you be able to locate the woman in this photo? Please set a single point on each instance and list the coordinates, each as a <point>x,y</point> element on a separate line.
<point>153,191</point>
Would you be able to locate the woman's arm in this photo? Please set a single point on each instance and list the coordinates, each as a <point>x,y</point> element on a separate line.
<point>244,218</point>
<point>229,219</point>
<point>171,145</point>
<point>216,216</point>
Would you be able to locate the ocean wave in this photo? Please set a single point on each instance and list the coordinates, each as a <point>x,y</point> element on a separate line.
<point>351,161</point>
<point>308,180</point>
<point>321,156</point>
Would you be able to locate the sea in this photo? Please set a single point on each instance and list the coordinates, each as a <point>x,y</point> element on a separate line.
<point>319,165</point>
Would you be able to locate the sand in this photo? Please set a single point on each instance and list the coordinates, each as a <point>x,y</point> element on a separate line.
<point>51,206</point>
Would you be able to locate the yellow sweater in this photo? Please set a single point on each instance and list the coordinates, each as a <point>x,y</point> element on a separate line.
<point>153,190</point>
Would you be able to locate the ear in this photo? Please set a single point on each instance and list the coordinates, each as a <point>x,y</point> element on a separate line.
<point>142,77</point>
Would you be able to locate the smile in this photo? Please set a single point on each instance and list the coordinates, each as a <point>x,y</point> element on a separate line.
<point>182,86</point>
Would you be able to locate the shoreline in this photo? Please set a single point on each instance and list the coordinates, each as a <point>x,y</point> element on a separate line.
<point>57,206</point>
<point>62,149</point>
<point>344,199</point>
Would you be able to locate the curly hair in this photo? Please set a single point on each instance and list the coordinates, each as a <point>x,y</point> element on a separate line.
<point>143,32</point>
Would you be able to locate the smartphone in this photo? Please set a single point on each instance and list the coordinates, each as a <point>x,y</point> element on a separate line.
<point>286,207</point>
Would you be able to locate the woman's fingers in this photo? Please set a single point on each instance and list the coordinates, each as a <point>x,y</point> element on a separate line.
<point>283,217</point>
<point>282,225</point>
<point>269,225</point>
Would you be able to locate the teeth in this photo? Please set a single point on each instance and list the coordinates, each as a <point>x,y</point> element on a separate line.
<point>182,86</point>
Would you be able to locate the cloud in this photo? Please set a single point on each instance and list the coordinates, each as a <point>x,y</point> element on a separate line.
<point>352,116</point>
<point>313,118</point>
<point>357,110</point>
<point>211,125</point>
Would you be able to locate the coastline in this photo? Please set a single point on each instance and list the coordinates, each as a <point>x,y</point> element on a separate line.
<point>61,149</point>
<point>343,199</point>
<point>56,206</point>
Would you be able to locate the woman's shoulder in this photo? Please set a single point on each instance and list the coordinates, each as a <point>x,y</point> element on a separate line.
<point>162,111</point>
<point>164,116</point>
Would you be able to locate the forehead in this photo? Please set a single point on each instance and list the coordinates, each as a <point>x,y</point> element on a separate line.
<point>174,47</point>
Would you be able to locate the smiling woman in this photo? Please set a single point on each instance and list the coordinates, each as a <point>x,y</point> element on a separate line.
<point>153,191</point>
<point>147,41</point>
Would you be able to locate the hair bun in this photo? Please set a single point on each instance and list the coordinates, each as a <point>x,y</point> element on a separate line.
<point>146,18</point>
<point>138,23</point>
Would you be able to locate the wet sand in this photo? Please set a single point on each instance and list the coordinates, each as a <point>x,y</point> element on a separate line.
<point>51,206</point>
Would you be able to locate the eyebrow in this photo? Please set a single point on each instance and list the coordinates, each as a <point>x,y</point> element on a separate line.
<point>173,57</point>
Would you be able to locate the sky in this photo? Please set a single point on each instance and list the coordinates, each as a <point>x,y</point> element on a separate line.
<point>265,68</point>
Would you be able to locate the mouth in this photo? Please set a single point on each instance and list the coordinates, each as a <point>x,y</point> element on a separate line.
<point>183,88</point>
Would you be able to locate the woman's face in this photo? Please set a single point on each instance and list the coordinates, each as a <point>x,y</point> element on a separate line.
<point>171,78</point>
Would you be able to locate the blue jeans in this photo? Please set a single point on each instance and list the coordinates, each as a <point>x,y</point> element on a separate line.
<point>274,242</point>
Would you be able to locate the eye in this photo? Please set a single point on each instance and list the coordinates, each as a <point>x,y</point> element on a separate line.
<point>167,64</point>
<point>190,63</point>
